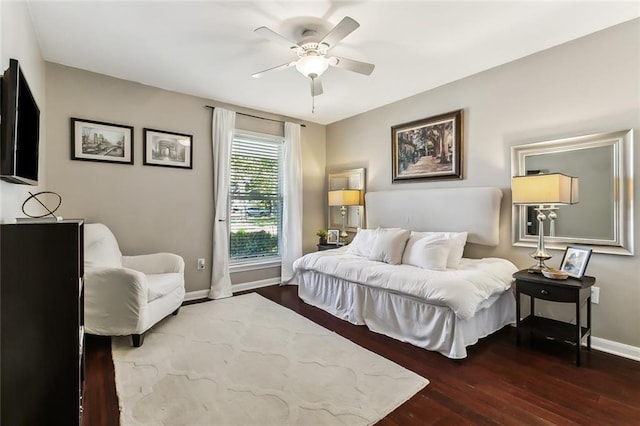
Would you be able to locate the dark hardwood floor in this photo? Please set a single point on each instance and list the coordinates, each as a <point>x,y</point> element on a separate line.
<point>498,383</point>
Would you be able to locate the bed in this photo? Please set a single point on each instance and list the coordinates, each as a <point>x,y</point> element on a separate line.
<point>405,276</point>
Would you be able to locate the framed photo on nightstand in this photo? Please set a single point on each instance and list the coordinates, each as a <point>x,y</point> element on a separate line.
<point>333,237</point>
<point>575,261</point>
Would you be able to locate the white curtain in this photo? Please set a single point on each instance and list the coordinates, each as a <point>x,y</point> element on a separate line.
<point>292,207</point>
<point>224,122</point>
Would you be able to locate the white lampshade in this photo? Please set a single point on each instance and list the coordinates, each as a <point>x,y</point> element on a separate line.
<point>551,188</point>
<point>344,197</point>
<point>312,64</point>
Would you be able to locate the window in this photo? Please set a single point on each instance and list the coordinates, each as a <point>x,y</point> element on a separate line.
<point>255,198</point>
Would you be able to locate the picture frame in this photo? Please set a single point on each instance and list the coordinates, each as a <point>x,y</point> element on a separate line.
<point>167,149</point>
<point>333,237</point>
<point>101,141</point>
<point>575,260</point>
<point>428,149</point>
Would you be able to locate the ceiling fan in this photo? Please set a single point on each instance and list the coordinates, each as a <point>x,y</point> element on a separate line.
<point>312,53</point>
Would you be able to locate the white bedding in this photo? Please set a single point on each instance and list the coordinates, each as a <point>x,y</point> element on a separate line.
<point>445,307</point>
<point>465,290</point>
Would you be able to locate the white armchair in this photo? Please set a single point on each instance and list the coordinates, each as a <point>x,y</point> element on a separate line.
<point>127,294</point>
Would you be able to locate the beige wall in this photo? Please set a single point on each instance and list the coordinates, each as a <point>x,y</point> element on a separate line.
<point>155,208</point>
<point>586,86</point>
<point>18,41</point>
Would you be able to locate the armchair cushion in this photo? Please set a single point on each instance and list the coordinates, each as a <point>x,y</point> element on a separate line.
<point>159,285</point>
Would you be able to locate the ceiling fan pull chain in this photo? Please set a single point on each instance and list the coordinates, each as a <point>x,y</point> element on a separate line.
<point>313,93</point>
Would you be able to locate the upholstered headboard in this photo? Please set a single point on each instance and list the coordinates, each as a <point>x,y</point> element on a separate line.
<point>475,210</point>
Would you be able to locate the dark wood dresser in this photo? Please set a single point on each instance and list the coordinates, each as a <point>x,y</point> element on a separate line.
<point>41,323</point>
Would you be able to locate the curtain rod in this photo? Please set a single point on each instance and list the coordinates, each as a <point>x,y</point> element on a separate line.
<point>260,118</point>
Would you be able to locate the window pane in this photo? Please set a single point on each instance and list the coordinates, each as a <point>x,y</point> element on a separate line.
<point>255,198</point>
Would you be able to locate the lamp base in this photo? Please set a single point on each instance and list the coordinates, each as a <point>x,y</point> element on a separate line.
<point>538,267</point>
<point>343,234</point>
<point>343,238</point>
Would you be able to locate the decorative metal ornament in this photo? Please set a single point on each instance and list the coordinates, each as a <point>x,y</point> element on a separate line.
<point>34,197</point>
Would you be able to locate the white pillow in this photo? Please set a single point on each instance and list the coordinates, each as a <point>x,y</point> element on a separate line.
<point>362,242</point>
<point>389,245</point>
<point>429,252</point>
<point>457,241</point>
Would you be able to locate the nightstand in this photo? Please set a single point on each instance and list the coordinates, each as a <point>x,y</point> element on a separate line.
<point>571,290</point>
<point>323,247</point>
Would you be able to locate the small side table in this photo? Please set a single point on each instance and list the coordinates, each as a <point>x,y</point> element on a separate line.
<point>571,290</point>
<point>323,247</point>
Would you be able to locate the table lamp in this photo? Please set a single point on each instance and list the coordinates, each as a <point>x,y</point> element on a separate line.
<point>545,192</point>
<point>344,198</point>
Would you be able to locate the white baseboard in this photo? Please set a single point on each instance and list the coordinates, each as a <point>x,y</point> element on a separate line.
<point>255,284</point>
<point>615,348</point>
<point>203,294</point>
<point>198,294</point>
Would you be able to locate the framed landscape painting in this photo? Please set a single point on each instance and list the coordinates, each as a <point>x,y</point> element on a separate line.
<point>100,141</point>
<point>428,149</point>
<point>167,149</point>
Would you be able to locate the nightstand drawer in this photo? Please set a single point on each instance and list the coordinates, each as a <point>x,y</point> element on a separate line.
<point>548,291</point>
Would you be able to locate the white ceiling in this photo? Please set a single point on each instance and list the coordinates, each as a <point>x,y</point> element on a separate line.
<point>209,49</point>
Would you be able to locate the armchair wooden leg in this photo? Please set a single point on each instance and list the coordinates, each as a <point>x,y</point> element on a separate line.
<point>137,340</point>
<point>176,311</point>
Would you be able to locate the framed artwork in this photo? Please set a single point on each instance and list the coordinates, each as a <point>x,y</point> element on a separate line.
<point>575,260</point>
<point>167,149</point>
<point>100,141</point>
<point>333,237</point>
<point>428,149</point>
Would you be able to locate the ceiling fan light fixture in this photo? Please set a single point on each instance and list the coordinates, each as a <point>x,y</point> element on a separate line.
<point>312,64</point>
<point>312,61</point>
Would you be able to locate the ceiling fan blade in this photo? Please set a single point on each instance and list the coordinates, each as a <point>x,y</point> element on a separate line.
<point>351,65</point>
<point>316,86</point>
<point>277,38</point>
<point>279,67</point>
<point>340,31</point>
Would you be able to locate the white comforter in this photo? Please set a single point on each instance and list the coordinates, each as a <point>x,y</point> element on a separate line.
<point>463,290</point>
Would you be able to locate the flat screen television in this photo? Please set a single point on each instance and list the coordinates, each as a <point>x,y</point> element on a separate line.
<point>19,129</point>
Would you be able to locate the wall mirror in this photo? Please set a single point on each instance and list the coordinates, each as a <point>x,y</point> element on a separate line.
<point>603,218</point>
<point>347,179</point>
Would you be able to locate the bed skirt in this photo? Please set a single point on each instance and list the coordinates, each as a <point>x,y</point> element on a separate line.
<point>405,318</point>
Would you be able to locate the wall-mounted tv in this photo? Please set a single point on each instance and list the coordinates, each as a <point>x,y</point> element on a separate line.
<point>19,129</point>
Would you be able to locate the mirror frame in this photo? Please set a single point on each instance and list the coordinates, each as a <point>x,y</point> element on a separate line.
<point>361,174</point>
<point>622,142</point>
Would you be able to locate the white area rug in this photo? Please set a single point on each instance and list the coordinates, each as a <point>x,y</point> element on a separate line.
<point>248,361</point>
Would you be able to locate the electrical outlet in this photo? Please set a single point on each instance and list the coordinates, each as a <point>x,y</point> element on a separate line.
<point>201,263</point>
<point>595,295</point>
